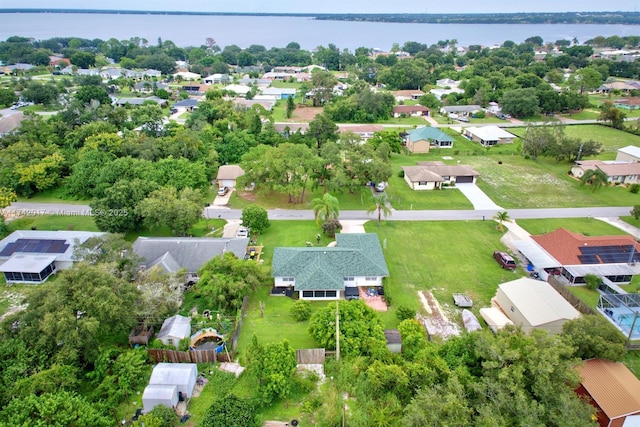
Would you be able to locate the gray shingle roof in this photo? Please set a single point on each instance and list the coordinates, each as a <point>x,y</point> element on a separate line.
<point>357,254</point>
<point>190,253</point>
<point>176,327</point>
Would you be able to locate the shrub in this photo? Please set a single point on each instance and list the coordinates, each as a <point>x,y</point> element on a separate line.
<point>634,188</point>
<point>401,174</point>
<point>592,281</point>
<point>301,311</point>
<point>330,227</point>
<point>403,312</point>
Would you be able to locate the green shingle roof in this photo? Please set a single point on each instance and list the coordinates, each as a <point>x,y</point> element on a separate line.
<point>325,268</point>
<point>428,133</point>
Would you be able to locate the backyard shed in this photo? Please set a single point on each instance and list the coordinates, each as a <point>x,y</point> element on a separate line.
<point>174,329</point>
<point>394,340</point>
<point>181,375</point>
<point>534,304</point>
<point>154,395</point>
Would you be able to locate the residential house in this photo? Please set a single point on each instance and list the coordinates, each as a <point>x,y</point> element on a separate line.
<point>410,110</point>
<point>572,256</point>
<point>254,82</point>
<point>404,95</point>
<point>112,73</point>
<point>630,153</point>
<point>421,139</point>
<point>17,68</point>
<point>242,103</point>
<point>151,73</point>
<point>327,273</point>
<point>187,75</point>
<point>190,104</point>
<point>447,83</point>
<point>287,129</point>
<point>626,86</point>
<point>455,111</point>
<point>534,304</point>
<point>172,254</point>
<point>617,172</point>
<point>279,93</point>
<point>241,90</point>
<point>31,256</point>
<point>272,75</point>
<point>228,175</point>
<point>174,329</point>
<point>87,72</point>
<point>55,61</point>
<point>488,136</point>
<point>364,131</point>
<point>442,92</point>
<point>139,101</point>
<point>631,103</point>
<point>613,390</point>
<point>217,78</point>
<point>434,175</point>
<point>147,86</point>
<point>10,122</point>
<point>195,89</point>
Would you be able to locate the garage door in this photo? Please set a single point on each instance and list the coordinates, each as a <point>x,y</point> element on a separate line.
<point>464,179</point>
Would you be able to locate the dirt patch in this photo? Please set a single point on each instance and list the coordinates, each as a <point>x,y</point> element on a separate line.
<point>436,322</point>
<point>305,114</point>
<point>247,195</point>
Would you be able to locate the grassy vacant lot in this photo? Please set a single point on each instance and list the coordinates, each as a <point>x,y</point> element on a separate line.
<point>586,226</point>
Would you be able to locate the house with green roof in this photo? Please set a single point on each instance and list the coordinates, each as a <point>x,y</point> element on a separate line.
<point>329,273</point>
<point>421,139</point>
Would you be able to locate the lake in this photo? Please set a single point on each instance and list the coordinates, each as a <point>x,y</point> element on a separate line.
<point>278,31</point>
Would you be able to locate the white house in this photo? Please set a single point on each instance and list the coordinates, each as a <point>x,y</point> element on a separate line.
<point>488,136</point>
<point>617,172</point>
<point>630,153</point>
<point>181,375</point>
<point>329,273</point>
<point>228,175</point>
<point>31,256</point>
<point>217,79</point>
<point>432,175</point>
<point>175,329</point>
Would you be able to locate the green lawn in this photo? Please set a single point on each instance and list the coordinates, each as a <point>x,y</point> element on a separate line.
<point>585,226</point>
<point>588,296</point>
<point>54,222</point>
<point>55,195</point>
<point>409,121</point>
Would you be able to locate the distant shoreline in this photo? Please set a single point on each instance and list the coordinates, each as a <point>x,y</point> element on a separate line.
<point>601,18</point>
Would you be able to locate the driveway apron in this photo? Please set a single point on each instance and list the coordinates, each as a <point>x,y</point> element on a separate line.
<point>477,197</point>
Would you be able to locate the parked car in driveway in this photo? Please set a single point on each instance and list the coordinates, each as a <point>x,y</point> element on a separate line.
<point>222,191</point>
<point>505,260</point>
<point>242,232</point>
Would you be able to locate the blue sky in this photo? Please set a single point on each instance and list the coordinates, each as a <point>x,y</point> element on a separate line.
<point>338,6</point>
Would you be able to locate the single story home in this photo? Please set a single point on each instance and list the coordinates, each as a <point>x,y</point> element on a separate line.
<point>617,172</point>
<point>273,75</point>
<point>447,82</point>
<point>433,175</point>
<point>238,89</point>
<point>280,92</point>
<point>421,139</point>
<point>410,110</point>
<point>228,174</point>
<point>188,103</point>
<point>217,78</point>
<point>488,136</point>
<point>247,81</point>
<point>181,375</point>
<point>31,256</point>
<point>10,122</point>
<point>242,103</point>
<point>534,304</point>
<point>404,95</point>
<point>619,86</point>
<point>440,92</point>
<point>327,273</point>
<point>187,75</point>
<point>172,254</point>
<point>287,129</point>
<point>630,154</point>
<point>175,329</point>
<point>365,132</point>
<point>631,103</point>
<point>196,89</point>
<point>613,390</point>
<point>139,101</point>
<point>149,86</point>
<point>573,256</point>
<point>460,110</point>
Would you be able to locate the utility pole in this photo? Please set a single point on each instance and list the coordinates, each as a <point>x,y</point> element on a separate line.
<point>579,153</point>
<point>337,332</point>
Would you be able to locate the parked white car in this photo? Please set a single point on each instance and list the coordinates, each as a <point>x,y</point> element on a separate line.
<point>242,232</point>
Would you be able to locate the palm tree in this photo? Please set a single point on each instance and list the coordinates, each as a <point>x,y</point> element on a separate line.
<point>501,217</point>
<point>325,208</point>
<point>381,205</point>
<point>596,178</point>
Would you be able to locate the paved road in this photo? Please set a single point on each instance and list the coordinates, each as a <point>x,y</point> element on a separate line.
<point>34,209</point>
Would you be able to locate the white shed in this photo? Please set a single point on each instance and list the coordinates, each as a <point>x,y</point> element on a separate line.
<point>155,395</point>
<point>181,375</point>
<point>534,304</point>
<point>174,329</point>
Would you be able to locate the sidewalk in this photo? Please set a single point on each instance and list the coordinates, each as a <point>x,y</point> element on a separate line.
<point>624,226</point>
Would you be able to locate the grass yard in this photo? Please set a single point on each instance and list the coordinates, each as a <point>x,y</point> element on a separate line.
<point>632,361</point>
<point>55,195</point>
<point>588,296</point>
<point>586,226</point>
<point>54,222</point>
<point>289,233</point>
<point>418,260</point>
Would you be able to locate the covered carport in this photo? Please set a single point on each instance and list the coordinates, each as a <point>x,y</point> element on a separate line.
<point>538,259</point>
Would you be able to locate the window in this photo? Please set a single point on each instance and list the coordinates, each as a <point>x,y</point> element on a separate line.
<point>288,279</point>
<point>349,279</point>
<point>513,310</point>
<point>422,183</point>
<point>318,294</point>
<point>331,294</point>
<point>307,294</point>
<point>371,279</point>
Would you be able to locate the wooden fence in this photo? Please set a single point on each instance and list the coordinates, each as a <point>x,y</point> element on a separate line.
<point>576,302</point>
<point>239,321</point>
<point>310,356</point>
<point>191,356</point>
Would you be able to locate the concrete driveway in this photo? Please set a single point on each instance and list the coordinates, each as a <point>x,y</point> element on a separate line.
<point>477,197</point>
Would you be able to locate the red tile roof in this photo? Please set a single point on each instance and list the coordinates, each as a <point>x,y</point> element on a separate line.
<point>565,245</point>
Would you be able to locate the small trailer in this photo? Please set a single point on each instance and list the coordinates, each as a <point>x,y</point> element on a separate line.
<point>462,300</point>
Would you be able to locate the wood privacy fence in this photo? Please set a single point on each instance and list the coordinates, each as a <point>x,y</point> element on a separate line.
<point>310,356</point>
<point>191,356</point>
<point>239,321</point>
<point>576,302</point>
